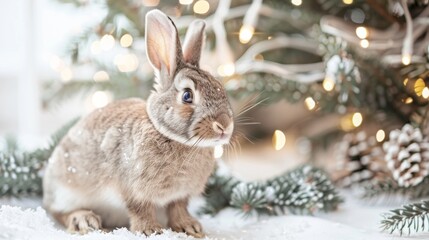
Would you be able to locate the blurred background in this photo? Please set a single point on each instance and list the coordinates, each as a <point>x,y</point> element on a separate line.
<point>306,73</point>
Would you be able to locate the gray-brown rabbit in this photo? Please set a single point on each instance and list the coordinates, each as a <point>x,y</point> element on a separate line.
<point>115,166</point>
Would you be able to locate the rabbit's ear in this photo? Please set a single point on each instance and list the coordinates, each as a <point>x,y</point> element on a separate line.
<point>194,41</point>
<point>162,44</point>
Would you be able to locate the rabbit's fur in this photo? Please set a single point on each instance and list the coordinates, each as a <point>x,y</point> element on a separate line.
<point>115,166</point>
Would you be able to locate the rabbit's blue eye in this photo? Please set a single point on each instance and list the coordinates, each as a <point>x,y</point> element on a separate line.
<point>187,96</point>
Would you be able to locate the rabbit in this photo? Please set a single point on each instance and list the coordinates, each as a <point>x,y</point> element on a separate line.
<point>121,162</point>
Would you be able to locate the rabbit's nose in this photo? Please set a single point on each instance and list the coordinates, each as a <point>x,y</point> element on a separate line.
<point>223,125</point>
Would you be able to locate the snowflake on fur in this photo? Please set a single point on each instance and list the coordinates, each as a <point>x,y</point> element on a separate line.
<point>407,155</point>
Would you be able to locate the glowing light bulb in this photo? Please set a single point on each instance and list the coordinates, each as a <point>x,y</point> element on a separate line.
<point>218,151</point>
<point>380,135</point>
<point>226,70</point>
<point>406,59</point>
<point>296,2</point>
<point>425,92</point>
<point>126,40</point>
<point>100,99</point>
<point>246,33</point>
<point>279,140</point>
<point>328,84</point>
<point>364,43</point>
<point>101,76</point>
<point>357,119</point>
<point>310,103</point>
<point>186,2</point>
<point>362,32</point>
<point>348,2</point>
<point>408,100</point>
<point>201,7</point>
<point>405,81</point>
<point>127,62</point>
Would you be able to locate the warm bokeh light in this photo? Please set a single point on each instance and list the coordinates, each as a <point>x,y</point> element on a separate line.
<point>226,70</point>
<point>406,59</point>
<point>425,92</point>
<point>405,81</point>
<point>279,140</point>
<point>362,32</point>
<point>201,7</point>
<point>380,135</point>
<point>296,2</point>
<point>100,99</point>
<point>310,103</point>
<point>246,33</point>
<point>408,100</point>
<point>364,43</point>
<point>347,2</point>
<point>218,151</point>
<point>357,119</point>
<point>150,3</point>
<point>127,62</point>
<point>66,74</point>
<point>95,47</point>
<point>328,84</point>
<point>186,2</point>
<point>101,76</point>
<point>126,40</point>
<point>107,42</point>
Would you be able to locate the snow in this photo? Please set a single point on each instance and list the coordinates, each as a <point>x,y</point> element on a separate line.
<point>356,219</point>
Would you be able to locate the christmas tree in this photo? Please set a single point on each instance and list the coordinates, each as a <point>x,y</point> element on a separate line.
<point>364,62</point>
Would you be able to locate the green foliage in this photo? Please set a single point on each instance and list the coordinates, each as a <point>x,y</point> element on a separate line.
<point>389,188</point>
<point>413,216</point>
<point>20,171</point>
<point>302,190</point>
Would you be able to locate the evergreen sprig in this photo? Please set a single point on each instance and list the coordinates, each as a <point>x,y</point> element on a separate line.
<point>302,190</point>
<point>413,216</point>
<point>20,171</point>
<point>389,188</point>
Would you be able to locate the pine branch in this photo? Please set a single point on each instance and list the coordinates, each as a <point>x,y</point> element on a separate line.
<point>20,172</point>
<point>391,188</point>
<point>410,217</point>
<point>302,190</point>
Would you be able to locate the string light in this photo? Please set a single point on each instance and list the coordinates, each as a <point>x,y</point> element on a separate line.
<point>357,119</point>
<point>201,7</point>
<point>100,99</point>
<point>310,103</point>
<point>348,2</point>
<point>279,140</point>
<point>150,3</point>
<point>406,59</point>
<point>419,85</point>
<point>126,40</point>
<point>425,92</point>
<point>95,47</point>
<point>362,32</point>
<point>101,76</point>
<point>246,33</point>
<point>380,135</point>
<point>107,42</point>
<point>218,151</point>
<point>405,81</point>
<point>328,84</point>
<point>408,100</point>
<point>186,2</point>
<point>364,43</point>
<point>127,62</point>
<point>296,2</point>
<point>226,70</point>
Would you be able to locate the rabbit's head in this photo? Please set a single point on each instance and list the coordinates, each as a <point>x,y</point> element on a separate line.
<point>188,105</point>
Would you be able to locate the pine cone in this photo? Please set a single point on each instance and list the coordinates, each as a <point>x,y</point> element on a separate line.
<point>407,155</point>
<point>361,158</point>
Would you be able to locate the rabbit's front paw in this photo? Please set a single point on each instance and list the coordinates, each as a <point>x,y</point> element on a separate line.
<point>83,221</point>
<point>146,227</point>
<point>188,225</point>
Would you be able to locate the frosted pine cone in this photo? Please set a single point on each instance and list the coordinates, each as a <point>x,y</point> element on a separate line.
<point>407,155</point>
<point>361,159</point>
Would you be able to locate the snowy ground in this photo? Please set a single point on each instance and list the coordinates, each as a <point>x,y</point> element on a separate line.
<point>354,220</point>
